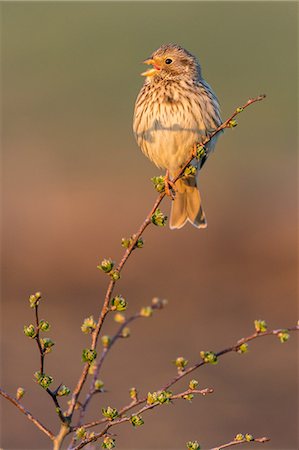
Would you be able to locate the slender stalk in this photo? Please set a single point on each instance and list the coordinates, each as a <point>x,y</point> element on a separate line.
<point>28,414</point>
<point>191,369</point>
<point>242,441</point>
<point>127,253</point>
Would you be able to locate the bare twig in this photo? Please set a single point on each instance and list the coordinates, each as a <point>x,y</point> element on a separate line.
<point>242,441</point>
<point>127,253</point>
<point>28,414</point>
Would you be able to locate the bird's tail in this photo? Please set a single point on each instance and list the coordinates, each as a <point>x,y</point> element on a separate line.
<point>187,205</point>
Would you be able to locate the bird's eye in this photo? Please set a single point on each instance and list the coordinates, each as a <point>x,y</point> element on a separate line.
<point>168,61</point>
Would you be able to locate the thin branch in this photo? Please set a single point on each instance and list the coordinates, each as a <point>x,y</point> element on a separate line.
<point>191,369</point>
<point>28,414</point>
<point>127,253</point>
<point>242,441</point>
<point>145,408</point>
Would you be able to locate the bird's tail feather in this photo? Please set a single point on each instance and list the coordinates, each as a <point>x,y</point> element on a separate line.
<point>187,205</point>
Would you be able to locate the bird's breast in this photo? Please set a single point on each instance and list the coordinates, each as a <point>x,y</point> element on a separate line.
<point>167,123</point>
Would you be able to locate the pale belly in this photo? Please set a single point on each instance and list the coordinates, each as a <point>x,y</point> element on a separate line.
<point>168,133</point>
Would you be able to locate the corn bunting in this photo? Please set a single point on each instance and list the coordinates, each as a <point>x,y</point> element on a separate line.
<point>175,109</point>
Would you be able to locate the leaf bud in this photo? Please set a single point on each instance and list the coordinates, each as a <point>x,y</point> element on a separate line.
<point>44,325</point>
<point>20,393</point>
<point>146,311</point>
<point>89,325</point>
<point>108,443</point>
<point>118,303</point>
<point>158,218</point>
<point>63,391</point>
<point>284,336</point>
<point>106,340</point>
<point>89,355</point>
<point>110,413</point>
<point>260,326</point>
<point>209,357</point>
<point>193,384</point>
<point>136,421</point>
<point>29,331</point>
<point>106,265</point>
<point>98,385</point>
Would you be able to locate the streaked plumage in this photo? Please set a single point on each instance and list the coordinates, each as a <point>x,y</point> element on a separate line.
<point>175,109</point>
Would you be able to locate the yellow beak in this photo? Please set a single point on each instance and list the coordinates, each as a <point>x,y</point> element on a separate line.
<point>150,72</point>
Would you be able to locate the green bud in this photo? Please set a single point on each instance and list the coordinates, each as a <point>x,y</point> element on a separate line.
<point>29,331</point>
<point>106,265</point>
<point>89,325</point>
<point>139,243</point>
<point>106,340</point>
<point>89,355</point>
<point>43,380</point>
<point>260,326</point>
<point>118,303</point>
<point>243,348</point>
<point>151,398</point>
<point>81,433</point>
<point>164,396</point>
<point>188,397</point>
<point>181,363</point>
<point>63,391</point>
<point>284,336</point>
<point>193,384</point>
<point>209,357</point>
<point>34,299</point>
<point>108,443</point>
<point>44,325</point>
<point>133,393</point>
<point>240,109</point>
<point>125,332</point>
<point>119,318</point>
<point>146,311</point>
<point>190,170</point>
<point>92,367</point>
<point>115,275</point>
<point>126,242</point>
<point>110,413</point>
<point>193,445</point>
<point>47,344</point>
<point>200,151</point>
<point>158,218</point>
<point>136,421</point>
<point>159,183</point>
<point>249,437</point>
<point>232,123</point>
<point>98,385</point>
<point>239,437</point>
<point>20,393</point>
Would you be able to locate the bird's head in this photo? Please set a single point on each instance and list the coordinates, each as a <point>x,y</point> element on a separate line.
<point>171,62</point>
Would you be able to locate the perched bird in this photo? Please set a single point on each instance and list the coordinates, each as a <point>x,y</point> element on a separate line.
<point>175,109</point>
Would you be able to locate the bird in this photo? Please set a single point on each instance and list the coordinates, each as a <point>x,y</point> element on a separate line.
<point>175,110</point>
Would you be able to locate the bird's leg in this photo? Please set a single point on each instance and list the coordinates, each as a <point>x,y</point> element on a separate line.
<point>169,186</point>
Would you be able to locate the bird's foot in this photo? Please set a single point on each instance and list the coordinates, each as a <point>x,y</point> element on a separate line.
<point>169,186</point>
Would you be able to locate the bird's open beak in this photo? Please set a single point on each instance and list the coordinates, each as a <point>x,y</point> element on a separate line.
<point>153,71</point>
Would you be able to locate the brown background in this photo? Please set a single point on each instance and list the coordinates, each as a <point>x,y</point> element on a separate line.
<point>74,183</point>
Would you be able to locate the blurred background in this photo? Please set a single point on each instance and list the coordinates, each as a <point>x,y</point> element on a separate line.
<point>74,183</point>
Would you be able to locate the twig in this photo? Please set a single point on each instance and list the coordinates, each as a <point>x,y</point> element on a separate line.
<point>127,253</point>
<point>145,408</point>
<point>242,441</point>
<point>28,414</point>
<point>191,369</point>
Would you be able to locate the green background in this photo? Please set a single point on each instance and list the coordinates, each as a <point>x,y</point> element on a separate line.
<point>75,182</point>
